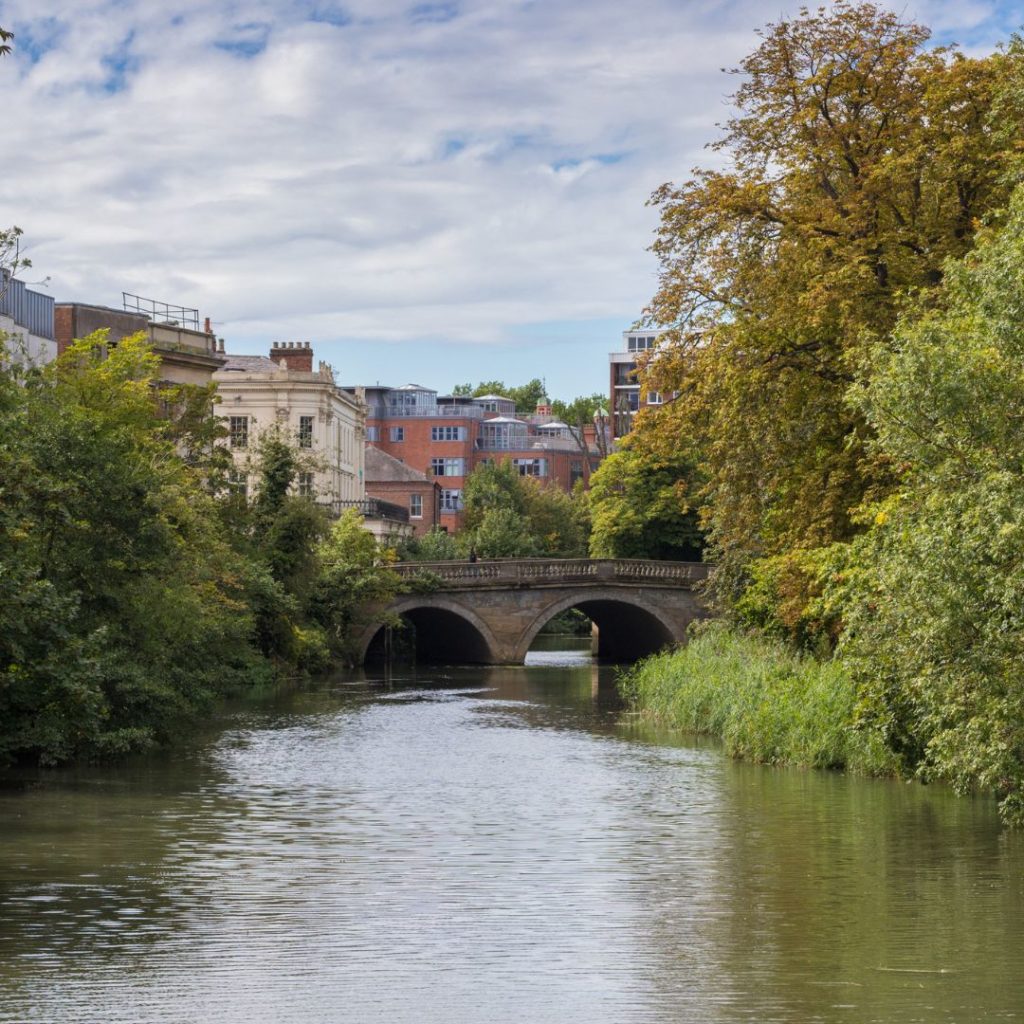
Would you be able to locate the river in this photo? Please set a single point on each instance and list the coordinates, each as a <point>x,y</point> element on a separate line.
<point>482,846</point>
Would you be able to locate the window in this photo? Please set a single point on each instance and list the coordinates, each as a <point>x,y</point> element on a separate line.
<point>653,398</point>
<point>531,467</point>
<point>451,500</point>
<point>398,433</point>
<point>238,483</point>
<point>448,467</point>
<point>416,506</point>
<point>575,471</point>
<point>373,433</point>
<point>238,431</point>
<point>641,344</point>
<point>305,431</point>
<point>306,489</point>
<point>447,433</point>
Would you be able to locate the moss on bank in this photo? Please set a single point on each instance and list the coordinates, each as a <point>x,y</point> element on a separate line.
<point>764,702</point>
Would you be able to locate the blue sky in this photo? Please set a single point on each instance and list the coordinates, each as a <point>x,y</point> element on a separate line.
<point>438,191</point>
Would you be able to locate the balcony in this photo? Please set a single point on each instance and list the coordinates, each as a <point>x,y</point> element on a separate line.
<point>369,508</point>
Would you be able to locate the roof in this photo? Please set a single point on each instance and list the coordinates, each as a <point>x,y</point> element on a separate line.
<point>250,364</point>
<point>382,468</point>
<point>505,419</point>
<point>553,425</point>
<point>490,398</point>
<point>414,387</point>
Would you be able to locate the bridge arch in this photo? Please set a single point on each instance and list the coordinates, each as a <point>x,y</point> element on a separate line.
<point>447,631</point>
<point>629,628</point>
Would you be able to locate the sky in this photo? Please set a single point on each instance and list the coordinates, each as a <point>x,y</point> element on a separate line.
<point>439,192</point>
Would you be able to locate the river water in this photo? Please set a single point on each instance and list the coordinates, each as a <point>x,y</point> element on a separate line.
<point>491,846</point>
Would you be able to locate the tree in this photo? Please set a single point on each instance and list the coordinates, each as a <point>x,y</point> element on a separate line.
<point>121,607</point>
<point>354,575</point>
<point>584,413</point>
<point>526,396</point>
<point>5,40</point>
<point>511,516</point>
<point>933,594</point>
<point>860,161</point>
<point>641,506</point>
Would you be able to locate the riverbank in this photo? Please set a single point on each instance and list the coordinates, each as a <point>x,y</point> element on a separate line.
<point>767,704</point>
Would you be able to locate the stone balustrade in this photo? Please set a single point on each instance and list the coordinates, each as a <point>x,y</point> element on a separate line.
<point>558,572</point>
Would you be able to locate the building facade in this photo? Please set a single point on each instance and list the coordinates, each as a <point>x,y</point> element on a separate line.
<point>188,354</point>
<point>26,323</point>
<point>392,481</point>
<point>260,394</point>
<point>445,437</point>
<point>623,386</point>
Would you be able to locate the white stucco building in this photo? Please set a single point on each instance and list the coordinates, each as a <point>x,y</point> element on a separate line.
<point>258,393</point>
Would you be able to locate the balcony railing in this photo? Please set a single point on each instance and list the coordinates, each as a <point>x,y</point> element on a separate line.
<point>370,508</point>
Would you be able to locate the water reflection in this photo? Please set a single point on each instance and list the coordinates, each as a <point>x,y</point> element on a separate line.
<point>495,845</point>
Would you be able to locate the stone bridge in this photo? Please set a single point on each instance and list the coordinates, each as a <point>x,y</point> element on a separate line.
<point>490,612</point>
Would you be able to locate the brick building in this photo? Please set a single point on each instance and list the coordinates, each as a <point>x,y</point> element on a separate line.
<point>446,437</point>
<point>395,482</point>
<point>623,386</point>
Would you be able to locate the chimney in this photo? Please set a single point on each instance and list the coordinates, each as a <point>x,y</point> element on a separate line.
<point>297,354</point>
<point>206,326</point>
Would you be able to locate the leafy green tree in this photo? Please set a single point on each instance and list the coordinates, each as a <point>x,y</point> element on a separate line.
<point>859,159</point>
<point>491,485</point>
<point>503,533</point>
<point>508,515</point>
<point>526,396</point>
<point>354,577</point>
<point>123,609</point>
<point>436,546</point>
<point>933,595</point>
<point>641,506</point>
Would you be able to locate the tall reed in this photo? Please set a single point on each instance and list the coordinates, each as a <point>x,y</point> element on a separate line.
<point>766,703</point>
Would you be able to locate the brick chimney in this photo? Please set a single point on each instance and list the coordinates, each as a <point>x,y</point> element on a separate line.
<point>297,355</point>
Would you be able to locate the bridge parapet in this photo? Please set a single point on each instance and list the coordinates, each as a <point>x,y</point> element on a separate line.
<point>534,572</point>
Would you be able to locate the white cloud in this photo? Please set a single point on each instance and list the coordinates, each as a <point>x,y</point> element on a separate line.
<point>458,172</point>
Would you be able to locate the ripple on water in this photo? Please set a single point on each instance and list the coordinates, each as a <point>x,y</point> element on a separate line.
<point>499,851</point>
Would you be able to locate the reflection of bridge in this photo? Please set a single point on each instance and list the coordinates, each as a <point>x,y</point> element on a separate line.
<point>490,612</point>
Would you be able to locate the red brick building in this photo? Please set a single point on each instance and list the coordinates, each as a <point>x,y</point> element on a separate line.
<point>391,480</point>
<point>446,437</point>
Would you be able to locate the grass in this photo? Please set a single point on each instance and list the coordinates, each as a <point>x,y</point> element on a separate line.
<point>766,703</point>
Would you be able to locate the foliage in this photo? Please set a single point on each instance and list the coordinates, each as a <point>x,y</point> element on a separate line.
<point>511,516</point>
<point>526,396</point>
<point>121,607</point>
<point>641,505</point>
<point>354,576</point>
<point>436,546</point>
<point>764,702</point>
<point>933,595</point>
<point>859,160</point>
<point>133,591</point>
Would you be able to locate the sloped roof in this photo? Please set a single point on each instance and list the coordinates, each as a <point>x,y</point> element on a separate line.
<point>382,468</point>
<point>250,364</point>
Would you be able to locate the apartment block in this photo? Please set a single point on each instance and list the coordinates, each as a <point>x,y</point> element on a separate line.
<point>445,437</point>
<point>624,387</point>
